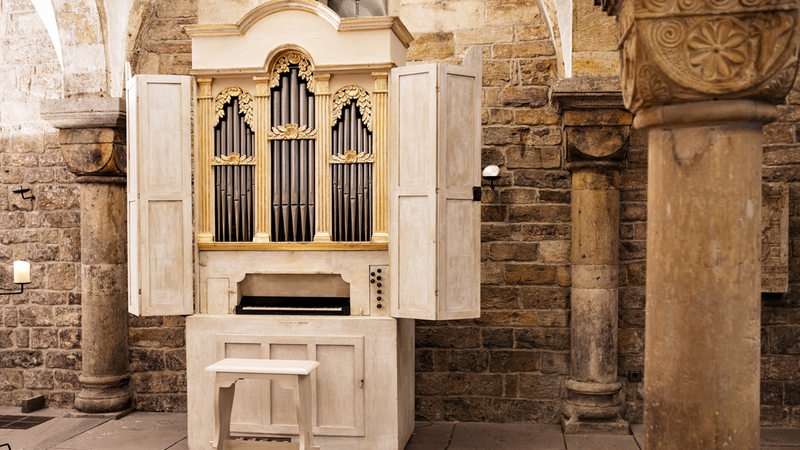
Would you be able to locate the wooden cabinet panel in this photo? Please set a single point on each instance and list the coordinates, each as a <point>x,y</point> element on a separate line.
<point>435,164</point>
<point>159,195</point>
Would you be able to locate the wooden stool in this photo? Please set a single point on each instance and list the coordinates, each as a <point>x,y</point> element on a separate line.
<point>290,374</point>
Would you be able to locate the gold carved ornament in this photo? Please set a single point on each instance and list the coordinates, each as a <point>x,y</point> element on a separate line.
<point>233,159</point>
<point>345,96</point>
<point>675,51</point>
<point>351,157</point>
<point>291,131</point>
<point>305,70</point>
<point>245,104</point>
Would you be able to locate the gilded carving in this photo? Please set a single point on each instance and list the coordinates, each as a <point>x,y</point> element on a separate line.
<point>351,157</point>
<point>305,70</point>
<point>233,159</point>
<point>676,51</point>
<point>347,94</point>
<point>292,131</point>
<point>245,104</point>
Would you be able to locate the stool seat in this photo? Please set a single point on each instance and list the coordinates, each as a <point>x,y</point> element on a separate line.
<point>290,374</point>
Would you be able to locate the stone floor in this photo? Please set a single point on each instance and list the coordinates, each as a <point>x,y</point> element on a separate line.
<point>162,431</point>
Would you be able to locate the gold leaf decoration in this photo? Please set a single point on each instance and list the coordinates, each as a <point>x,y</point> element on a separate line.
<point>351,157</point>
<point>292,131</point>
<point>234,159</point>
<point>305,70</point>
<point>347,94</point>
<point>245,104</point>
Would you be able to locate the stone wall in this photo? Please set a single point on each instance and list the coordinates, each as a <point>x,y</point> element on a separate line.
<point>157,344</point>
<point>780,315</point>
<point>508,366</point>
<point>40,329</point>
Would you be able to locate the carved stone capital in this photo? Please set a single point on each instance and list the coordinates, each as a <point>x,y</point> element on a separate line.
<point>91,134</point>
<point>679,51</point>
<point>596,127</point>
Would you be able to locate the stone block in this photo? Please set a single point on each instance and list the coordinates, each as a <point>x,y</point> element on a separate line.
<point>175,359</point>
<point>67,316</point>
<point>160,402</point>
<point>525,273</point>
<point>539,213</point>
<point>11,380</point>
<point>504,135</point>
<point>545,135</point>
<point>6,340</point>
<point>35,316</point>
<point>499,297</point>
<point>524,96</point>
<point>514,251</point>
<point>539,386</point>
<point>542,178</point>
<point>43,338</point>
<point>22,337</point>
<point>431,46</point>
<point>38,379</point>
<point>494,338</point>
<point>544,297</point>
<point>504,12</point>
<point>522,410</point>
<point>516,318</point>
<point>484,35</point>
<point>62,276</point>
<point>69,338</point>
<point>554,362</point>
<point>552,318</point>
<point>63,360</point>
<point>496,72</point>
<point>538,157</point>
<point>457,384</point>
<point>146,360</point>
<point>57,197</point>
<point>69,248</point>
<point>467,360</point>
<point>537,71</point>
<point>466,409</point>
<point>542,338</point>
<point>159,382</point>
<point>24,359</point>
<point>500,116</point>
<point>156,337</point>
<point>530,49</point>
<point>447,337</point>
<point>65,379</point>
<point>532,31</point>
<point>543,231</point>
<point>508,361</point>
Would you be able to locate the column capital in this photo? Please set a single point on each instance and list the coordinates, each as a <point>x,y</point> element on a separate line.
<point>596,126</point>
<point>91,133</point>
<point>680,51</point>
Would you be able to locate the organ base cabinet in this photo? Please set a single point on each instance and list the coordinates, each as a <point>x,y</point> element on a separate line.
<point>363,390</point>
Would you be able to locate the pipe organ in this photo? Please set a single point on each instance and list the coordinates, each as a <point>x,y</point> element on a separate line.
<point>333,193</point>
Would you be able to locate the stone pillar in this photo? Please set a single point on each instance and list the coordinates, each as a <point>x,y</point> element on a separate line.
<point>702,77</point>
<point>92,138</point>
<point>596,131</point>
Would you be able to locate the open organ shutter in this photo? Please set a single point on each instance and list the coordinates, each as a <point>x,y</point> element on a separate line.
<point>435,162</point>
<point>159,195</point>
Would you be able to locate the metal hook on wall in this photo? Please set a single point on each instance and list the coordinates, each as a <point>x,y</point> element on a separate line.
<point>23,191</point>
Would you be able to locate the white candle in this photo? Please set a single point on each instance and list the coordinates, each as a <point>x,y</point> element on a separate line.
<point>22,272</point>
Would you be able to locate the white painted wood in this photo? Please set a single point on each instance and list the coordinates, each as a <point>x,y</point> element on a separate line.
<point>159,195</point>
<point>289,374</point>
<point>434,242</point>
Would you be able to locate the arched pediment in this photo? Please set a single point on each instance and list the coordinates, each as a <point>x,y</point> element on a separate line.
<point>306,24</point>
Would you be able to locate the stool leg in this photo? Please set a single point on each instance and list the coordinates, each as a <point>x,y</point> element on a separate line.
<point>302,402</point>
<point>223,398</point>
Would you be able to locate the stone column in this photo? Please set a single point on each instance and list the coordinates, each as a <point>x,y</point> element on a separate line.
<point>92,138</point>
<point>596,131</point>
<point>702,77</point>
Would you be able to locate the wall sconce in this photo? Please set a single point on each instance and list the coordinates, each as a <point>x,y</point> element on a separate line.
<point>23,191</point>
<point>491,173</point>
<point>22,276</point>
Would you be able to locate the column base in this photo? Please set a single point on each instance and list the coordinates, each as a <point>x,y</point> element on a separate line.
<point>103,395</point>
<point>574,425</point>
<point>594,408</point>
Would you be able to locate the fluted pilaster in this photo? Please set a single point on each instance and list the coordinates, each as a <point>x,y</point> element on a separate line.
<point>205,153</point>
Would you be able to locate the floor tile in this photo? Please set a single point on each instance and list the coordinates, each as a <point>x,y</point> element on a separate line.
<point>600,442</point>
<point>431,436</point>
<point>495,436</point>
<point>133,432</point>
